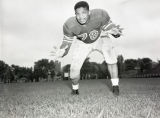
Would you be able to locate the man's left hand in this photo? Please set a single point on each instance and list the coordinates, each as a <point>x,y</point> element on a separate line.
<point>112,29</point>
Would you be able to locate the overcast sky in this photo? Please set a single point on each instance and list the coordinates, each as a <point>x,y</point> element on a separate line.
<point>30,28</point>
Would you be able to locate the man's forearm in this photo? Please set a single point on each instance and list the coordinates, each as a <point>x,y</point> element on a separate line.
<point>63,45</point>
<point>113,29</point>
<point>66,42</point>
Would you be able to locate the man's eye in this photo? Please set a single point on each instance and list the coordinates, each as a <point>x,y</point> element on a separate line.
<point>76,13</point>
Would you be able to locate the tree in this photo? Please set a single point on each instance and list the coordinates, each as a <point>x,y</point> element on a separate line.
<point>3,68</point>
<point>6,74</point>
<point>42,68</point>
<point>120,65</point>
<point>91,70</point>
<point>85,70</point>
<point>16,71</point>
<point>103,70</point>
<point>22,72</point>
<point>130,64</point>
<point>145,65</point>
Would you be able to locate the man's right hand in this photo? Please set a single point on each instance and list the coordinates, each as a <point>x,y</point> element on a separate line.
<point>58,53</point>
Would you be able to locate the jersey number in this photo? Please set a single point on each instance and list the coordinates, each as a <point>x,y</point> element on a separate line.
<point>92,35</point>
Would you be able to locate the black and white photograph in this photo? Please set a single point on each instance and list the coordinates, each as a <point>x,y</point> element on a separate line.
<point>79,59</point>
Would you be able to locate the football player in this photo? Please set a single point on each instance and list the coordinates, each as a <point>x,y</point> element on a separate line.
<point>93,30</point>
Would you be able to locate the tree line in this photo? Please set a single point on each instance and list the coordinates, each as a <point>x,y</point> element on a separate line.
<point>138,67</point>
<point>44,69</point>
<point>127,68</point>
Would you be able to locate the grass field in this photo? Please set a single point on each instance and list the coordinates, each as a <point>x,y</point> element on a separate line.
<point>139,98</point>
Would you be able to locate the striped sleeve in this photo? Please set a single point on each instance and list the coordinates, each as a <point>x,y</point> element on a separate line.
<point>108,26</point>
<point>68,39</point>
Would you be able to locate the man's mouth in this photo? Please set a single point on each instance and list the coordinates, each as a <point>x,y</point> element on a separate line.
<point>82,21</point>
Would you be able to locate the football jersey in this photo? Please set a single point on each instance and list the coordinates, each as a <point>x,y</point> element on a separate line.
<point>90,31</point>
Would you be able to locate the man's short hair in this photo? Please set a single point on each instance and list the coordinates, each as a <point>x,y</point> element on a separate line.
<point>80,4</point>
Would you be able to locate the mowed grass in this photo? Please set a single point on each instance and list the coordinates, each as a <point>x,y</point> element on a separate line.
<point>139,98</point>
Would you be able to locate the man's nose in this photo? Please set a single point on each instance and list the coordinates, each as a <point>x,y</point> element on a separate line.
<point>81,17</point>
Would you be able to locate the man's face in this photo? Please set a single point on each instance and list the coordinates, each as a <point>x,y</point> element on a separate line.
<point>82,15</point>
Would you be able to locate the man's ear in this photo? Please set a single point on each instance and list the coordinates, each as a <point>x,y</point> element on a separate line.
<point>75,12</point>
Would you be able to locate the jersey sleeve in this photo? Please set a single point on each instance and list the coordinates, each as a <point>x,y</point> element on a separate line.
<point>68,35</point>
<point>67,31</point>
<point>106,18</point>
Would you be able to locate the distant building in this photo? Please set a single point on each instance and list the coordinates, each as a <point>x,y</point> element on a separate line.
<point>66,72</point>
